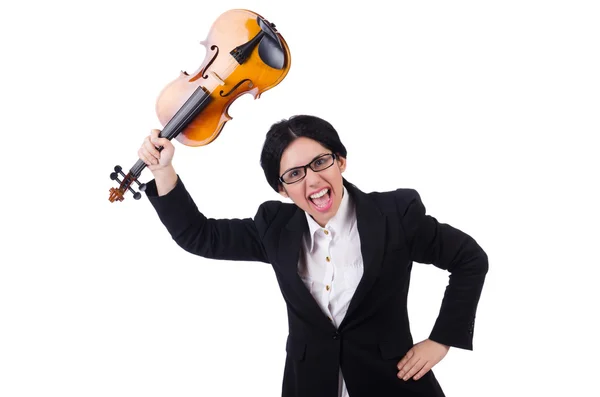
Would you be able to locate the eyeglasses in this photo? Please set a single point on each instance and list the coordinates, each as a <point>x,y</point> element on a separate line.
<point>319,164</point>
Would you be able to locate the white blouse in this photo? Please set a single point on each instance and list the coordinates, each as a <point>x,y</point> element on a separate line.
<point>331,264</point>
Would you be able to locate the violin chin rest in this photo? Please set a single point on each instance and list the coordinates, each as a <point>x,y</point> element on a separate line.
<point>270,48</point>
<point>271,53</point>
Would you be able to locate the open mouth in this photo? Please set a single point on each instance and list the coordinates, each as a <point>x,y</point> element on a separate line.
<point>321,200</point>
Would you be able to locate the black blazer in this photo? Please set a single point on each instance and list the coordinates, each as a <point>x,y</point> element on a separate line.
<point>374,335</point>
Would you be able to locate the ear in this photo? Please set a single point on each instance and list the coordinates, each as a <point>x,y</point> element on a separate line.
<point>341,163</point>
<point>282,191</point>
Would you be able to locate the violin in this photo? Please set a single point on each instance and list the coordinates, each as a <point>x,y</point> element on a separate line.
<point>244,54</point>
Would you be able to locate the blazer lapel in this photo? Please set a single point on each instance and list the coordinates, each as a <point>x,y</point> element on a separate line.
<point>290,245</point>
<point>371,229</point>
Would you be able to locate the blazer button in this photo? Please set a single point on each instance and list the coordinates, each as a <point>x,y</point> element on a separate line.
<point>336,335</point>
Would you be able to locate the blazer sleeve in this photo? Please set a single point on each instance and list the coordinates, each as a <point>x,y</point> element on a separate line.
<point>432,242</point>
<point>224,239</point>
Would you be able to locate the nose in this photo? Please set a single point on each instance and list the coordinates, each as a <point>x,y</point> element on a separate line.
<point>312,178</point>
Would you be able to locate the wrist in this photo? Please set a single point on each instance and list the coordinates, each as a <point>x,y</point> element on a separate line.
<point>166,179</point>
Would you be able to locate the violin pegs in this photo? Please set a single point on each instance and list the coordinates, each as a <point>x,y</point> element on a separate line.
<point>115,194</point>
<point>136,195</point>
<point>142,186</point>
<point>118,169</point>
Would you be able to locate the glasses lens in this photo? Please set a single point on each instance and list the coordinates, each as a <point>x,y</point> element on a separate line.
<point>293,175</point>
<point>322,162</point>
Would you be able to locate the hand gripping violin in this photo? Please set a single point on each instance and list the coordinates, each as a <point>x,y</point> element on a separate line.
<point>244,54</point>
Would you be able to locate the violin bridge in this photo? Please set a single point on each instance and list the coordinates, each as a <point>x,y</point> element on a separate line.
<point>217,77</point>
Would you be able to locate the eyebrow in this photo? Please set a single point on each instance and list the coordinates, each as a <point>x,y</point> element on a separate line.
<point>300,166</point>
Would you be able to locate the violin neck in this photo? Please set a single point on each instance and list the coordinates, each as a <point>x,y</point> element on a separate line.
<point>180,120</point>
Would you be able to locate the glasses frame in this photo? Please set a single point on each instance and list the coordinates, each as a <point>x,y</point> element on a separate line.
<point>309,165</point>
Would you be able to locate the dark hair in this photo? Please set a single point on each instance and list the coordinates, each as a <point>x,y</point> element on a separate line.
<point>284,132</point>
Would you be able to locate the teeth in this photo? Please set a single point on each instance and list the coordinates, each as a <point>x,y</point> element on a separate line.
<point>321,193</point>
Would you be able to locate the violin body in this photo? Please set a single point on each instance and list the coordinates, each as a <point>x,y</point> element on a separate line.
<point>244,54</point>
<point>230,30</point>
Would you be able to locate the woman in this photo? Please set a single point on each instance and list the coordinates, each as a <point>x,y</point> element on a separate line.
<point>342,259</point>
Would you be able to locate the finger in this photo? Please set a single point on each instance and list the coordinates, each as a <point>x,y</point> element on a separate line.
<point>405,359</point>
<point>423,371</point>
<point>144,157</point>
<point>164,142</point>
<point>408,366</point>
<point>155,133</point>
<point>153,167</point>
<point>157,140</point>
<point>148,156</point>
<point>152,152</point>
<point>415,368</point>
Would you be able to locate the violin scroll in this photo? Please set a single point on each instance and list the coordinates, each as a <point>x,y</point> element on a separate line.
<point>116,194</point>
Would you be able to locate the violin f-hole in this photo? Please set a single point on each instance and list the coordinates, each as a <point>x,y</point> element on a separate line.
<point>203,71</point>
<point>236,86</point>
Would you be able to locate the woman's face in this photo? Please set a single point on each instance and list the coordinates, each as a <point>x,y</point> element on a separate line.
<point>301,152</point>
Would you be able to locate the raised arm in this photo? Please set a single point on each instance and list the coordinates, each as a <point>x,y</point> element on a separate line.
<point>227,239</point>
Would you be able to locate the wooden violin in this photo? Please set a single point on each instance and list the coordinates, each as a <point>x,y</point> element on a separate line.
<point>244,54</point>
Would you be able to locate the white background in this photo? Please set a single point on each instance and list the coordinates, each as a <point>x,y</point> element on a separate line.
<point>488,109</point>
